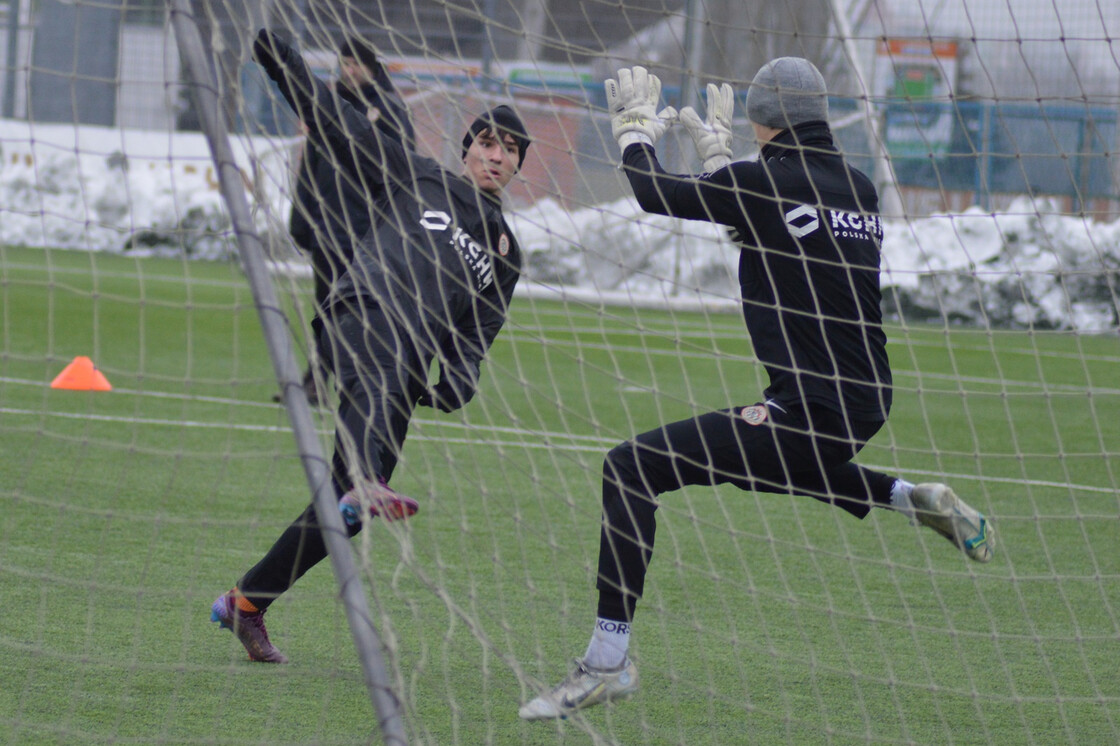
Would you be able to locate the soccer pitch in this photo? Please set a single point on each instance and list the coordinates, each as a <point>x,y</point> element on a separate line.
<point>768,619</point>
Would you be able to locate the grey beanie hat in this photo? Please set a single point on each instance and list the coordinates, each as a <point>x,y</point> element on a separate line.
<point>786,92</point>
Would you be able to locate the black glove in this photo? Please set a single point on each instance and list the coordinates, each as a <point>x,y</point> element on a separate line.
<point>286,67</point>
<point>272,52</point>
<point>457,385</point>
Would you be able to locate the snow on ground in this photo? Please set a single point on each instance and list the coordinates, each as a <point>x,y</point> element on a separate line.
<point>1028,266</point>
<point>108,189</point>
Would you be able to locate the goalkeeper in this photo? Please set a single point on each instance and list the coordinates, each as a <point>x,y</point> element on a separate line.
<point>431,280</point>
<point>809,233</point>
<point>329,209</point>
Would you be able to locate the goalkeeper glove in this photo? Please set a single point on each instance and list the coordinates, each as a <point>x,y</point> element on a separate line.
<point>457,385</point>
<point>632,103</point>
<point>271,52</point>
<point>286,67</point>
<point>712,136</point>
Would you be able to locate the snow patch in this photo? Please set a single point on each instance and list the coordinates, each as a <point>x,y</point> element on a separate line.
<point>104,189</point>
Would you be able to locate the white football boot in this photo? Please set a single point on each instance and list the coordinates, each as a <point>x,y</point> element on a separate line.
<point>937,506</point>
<point>583,687</point>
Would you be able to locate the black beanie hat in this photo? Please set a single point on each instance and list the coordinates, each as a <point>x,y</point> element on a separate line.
<point>503,120</point>
<point>360,50</point>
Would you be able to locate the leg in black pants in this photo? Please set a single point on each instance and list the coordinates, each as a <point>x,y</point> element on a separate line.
<point>327,265</point>
<point>379,373</point>
<point>763,449</point>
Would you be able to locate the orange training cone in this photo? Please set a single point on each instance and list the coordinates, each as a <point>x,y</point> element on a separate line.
<point>80,375</point>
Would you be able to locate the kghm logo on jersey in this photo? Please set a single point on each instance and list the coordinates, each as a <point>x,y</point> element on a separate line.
<point>805,219</point>
<point>474,255</point>
<point>435,220</point>
<point>856,225</point>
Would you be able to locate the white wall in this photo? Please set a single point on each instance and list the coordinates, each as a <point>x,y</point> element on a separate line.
<point>149,78</point>
<point>22,60</point>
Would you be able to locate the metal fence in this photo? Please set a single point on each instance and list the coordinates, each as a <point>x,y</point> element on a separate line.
<point>998,148</point>
<point>965,154</point>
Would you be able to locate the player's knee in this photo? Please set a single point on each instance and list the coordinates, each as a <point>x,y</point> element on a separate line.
<point>619,467</point>
<point>625,492</point>
<point>622,463</point>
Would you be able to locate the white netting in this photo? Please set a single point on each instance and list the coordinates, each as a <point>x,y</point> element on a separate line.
<point>990,129</point>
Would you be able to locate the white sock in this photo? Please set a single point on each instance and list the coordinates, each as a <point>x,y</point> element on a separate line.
<point>900,498</point>
<point>608,646</point>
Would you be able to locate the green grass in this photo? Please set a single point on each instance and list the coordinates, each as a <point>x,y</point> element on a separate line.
<point>767,619</point>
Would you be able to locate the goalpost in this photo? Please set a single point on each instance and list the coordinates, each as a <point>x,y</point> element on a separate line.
<point>367,642</point>
<point>147,177</point>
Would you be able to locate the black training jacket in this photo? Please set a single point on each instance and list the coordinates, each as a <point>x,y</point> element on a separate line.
<point>329,210</point>
<point>810,234</point>
<point>439,258</point>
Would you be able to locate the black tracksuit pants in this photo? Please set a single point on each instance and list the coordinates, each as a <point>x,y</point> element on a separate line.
<point>380,373</point>
<point>327,265</point>
<point>773,448</point>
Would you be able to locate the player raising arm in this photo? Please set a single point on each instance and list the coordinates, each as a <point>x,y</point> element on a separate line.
<point>431,280</point>
<point>330,210</point>
<point>809,234</point>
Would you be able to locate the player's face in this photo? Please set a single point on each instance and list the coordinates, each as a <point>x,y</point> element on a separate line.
<point>491,161</point>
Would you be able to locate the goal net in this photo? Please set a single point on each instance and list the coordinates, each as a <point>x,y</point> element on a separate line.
<point>148,444</point>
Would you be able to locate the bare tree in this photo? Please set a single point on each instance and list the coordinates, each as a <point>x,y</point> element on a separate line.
<point>226,27</point>
<point>740,36</point>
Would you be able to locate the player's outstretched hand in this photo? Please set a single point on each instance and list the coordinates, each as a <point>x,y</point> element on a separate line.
<point>712,135</point>
<point>271,52</point>
<point>632,102</point>
<point>285,65</point>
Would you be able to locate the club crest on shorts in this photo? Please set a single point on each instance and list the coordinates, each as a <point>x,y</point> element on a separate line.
<point>503,245</point>
<point>754,415</point>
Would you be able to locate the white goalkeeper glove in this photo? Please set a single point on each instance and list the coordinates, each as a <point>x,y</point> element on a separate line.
<point>712,136</point>
<point>632,103</point>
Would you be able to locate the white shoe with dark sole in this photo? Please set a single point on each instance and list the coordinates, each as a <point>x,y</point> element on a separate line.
<point>937,506</point>
<point>583,687</point>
